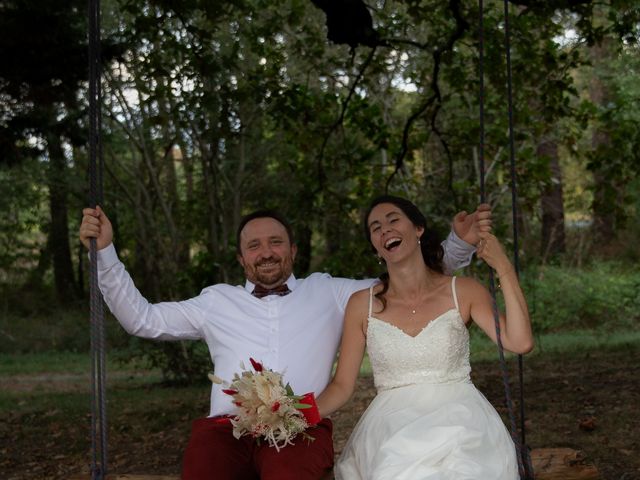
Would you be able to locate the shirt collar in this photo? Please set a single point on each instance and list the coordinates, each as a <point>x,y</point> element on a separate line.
<point>291,283</point>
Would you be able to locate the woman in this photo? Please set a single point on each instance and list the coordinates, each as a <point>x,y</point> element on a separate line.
<point>428,421</point>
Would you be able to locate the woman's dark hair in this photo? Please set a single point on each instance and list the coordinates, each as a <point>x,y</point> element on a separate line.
<point>432,251</point>
<point>263,214</point>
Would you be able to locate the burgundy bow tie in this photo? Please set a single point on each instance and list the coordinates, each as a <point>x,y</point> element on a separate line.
<point>259,291</point>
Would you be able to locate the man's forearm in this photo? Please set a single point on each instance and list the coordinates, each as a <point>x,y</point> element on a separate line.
<point>164,321</point>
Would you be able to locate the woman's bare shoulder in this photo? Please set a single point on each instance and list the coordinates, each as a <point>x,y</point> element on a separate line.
<point>470,289</point>
<point>467,283</point>
<point>360,296</point>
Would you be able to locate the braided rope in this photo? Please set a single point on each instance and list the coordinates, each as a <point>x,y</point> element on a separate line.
<point>98,369</point>
<point>522,453</point>
<point>525,458</point>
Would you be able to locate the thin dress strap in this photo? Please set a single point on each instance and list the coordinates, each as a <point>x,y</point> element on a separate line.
<point>453,291</point>
<point>371,300</point>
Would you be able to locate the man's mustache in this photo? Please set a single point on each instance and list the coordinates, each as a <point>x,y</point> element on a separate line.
<point>267,260</point>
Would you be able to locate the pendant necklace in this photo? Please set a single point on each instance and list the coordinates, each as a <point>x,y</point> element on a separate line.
<point>413,309</point>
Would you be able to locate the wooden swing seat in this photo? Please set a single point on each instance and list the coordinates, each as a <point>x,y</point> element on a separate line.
<point>548,464</point>
<point>562,464</point>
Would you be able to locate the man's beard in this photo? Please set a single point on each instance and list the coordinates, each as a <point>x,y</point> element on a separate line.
<point>276,276</point>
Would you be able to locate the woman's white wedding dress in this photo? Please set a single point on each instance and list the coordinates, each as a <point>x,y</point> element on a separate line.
<point>428,421</point>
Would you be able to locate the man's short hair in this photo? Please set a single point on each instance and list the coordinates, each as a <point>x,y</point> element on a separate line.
<point>263,214</point>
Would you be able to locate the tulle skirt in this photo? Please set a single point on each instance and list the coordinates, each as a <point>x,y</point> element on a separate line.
<point>427,431</point>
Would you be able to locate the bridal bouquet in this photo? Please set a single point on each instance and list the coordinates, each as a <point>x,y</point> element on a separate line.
<point>267,408</point>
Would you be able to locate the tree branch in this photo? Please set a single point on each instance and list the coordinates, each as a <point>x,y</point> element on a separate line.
<point>340,119</point>
<point>461,27</point>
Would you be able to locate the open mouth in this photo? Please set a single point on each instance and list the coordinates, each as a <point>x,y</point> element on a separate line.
<point>268,265</point>
<point>392,244</point>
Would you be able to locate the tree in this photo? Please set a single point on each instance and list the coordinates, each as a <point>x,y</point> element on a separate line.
<point>43,64</point>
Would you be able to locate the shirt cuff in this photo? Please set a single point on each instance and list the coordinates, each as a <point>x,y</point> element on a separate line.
<point>107,257</point>
<point>459,251</point>
<point>458,243</point>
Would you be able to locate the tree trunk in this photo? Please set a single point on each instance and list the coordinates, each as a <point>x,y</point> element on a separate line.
<point>65,286</point>
<point>604,189</point>
<point>552,203</point>
<point>303,241</point>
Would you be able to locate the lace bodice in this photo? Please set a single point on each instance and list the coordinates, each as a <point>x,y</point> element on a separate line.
<point>439,353</point>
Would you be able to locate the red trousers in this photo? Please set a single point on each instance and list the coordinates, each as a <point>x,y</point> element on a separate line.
<point>214,454</point>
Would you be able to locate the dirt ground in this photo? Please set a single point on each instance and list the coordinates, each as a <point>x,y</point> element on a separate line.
<point>589,402</point>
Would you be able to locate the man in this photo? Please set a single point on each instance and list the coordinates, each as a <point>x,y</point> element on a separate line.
<point>290,325</point>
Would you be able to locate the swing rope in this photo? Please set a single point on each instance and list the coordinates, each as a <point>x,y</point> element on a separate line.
<point>522,453</point>
<point>514,212</point>
<point>96,167</point>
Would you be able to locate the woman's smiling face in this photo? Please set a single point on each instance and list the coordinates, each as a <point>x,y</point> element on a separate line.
<point>392,233</point>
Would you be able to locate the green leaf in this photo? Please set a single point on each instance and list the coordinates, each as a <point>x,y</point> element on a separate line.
<point>289,391</point>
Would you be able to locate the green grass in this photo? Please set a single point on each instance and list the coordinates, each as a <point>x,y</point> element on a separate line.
<point>602,295</point>
<point>124,392</point>
<point>30,373</point>
<point>57,329</point>
<point>54,362</point>
<point>483,349</point>
<point>579,341</point>
<point>18,403</point>
<point>165,407</point>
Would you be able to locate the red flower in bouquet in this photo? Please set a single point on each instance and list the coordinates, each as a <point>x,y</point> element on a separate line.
<point>256,365</point>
